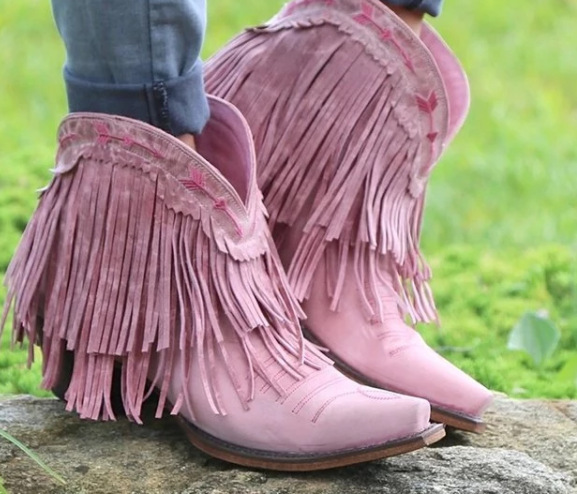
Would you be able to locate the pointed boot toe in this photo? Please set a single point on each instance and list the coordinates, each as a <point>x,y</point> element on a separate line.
<point>389,354</point>
<point>456,398</point>
<point>410,415</point>
<point>317,421</point>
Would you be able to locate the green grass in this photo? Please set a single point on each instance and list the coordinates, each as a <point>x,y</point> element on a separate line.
<point>509,180</point>
<point>501,222</point>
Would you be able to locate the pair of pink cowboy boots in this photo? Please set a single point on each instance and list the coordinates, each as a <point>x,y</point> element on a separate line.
<point>149,268</point>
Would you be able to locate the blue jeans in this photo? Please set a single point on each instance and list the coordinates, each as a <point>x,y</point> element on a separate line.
<point>140,58</point>
<point>137,58</point>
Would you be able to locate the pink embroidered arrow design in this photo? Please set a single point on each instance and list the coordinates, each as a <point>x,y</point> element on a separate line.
<point>195,182</point>
<point>427,105</point>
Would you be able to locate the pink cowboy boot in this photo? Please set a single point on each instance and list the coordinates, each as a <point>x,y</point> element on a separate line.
<point>350,111</point>
<point>152,262</point>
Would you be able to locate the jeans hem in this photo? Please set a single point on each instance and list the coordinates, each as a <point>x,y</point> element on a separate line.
<point>177,106</point>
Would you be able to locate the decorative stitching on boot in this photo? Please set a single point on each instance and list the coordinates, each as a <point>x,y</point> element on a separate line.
<point>104,137</point>
<point>198,182</point>
<point>65,138</point>
<point>366,17</point>
<point>195,182</point>
<point>301,404</point>
<point>103,133</point>
<point>128,141</point>
<point>136,144</point>
<point>296,385</point>
<point>321,410</point>
<point>220,204</point>
<point>427,105</point>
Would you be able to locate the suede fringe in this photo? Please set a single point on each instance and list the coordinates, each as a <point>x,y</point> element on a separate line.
<point>346,132</point>
<point>107,270</point>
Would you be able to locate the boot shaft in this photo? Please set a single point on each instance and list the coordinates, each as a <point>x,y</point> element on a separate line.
<point>141,248</point>
<point>350,111</point>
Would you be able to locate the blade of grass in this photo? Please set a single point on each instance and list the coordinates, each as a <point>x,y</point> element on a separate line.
<point>33,456</point>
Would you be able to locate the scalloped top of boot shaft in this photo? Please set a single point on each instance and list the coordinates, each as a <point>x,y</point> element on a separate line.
<point>427,55</point>
<point>216,182</point>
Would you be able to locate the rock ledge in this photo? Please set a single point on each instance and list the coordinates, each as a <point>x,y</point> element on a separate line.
<point>530,447</point>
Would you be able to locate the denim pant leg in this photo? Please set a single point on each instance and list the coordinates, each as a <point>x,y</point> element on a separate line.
<point>431,7</point>
<point>136,58</point>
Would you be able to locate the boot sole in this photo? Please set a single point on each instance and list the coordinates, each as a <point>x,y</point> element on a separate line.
<point>285,462</point>
<point>451,418</point>
<point>270,460</point>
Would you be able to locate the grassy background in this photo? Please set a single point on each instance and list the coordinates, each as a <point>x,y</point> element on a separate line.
<point>501,222</point>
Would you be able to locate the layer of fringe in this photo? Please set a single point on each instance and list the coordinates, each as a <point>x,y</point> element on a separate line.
<point>346,131</point>
<point>107,271</point>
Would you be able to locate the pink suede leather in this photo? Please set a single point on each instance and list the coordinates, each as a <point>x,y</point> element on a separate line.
<point>351,112</point>
<point>321,412</point>
<point>145,257</point>
<point>389,353</point>
<point>298,408</point>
